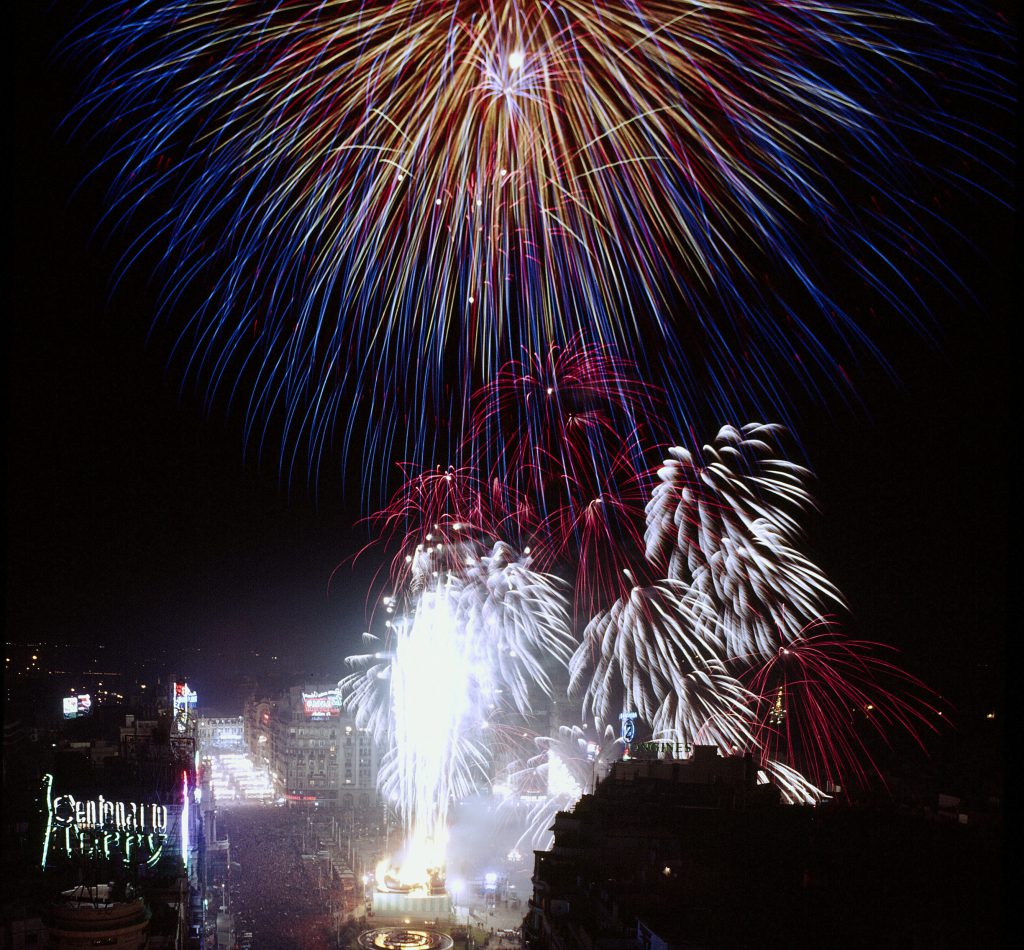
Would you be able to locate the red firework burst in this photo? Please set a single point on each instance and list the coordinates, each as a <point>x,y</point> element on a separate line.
<point>437,508</point>
<point>822,698</point>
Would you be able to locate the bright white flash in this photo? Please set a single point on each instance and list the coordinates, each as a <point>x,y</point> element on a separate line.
<point>473,647</point>
<point>430,690</point>
<point>515,59</point>
<point>560,779</point>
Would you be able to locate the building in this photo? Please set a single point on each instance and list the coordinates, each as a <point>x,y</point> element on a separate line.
<point>92,917</point>
<point>694,855</point>
<point>223,732</point>
<point>256,729</point>
<point>313,749</point>
<point>638,865</point>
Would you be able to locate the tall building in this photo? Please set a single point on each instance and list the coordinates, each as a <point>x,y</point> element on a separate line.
<point>641,863</point>
<point>314,750</point>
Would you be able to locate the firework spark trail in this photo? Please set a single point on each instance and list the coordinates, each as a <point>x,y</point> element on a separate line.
<point>475,643</point>
<point>725,522</point>
<point>563,767</point>
<point>638,653</point>
<point>566,435</point>
<point>794,788</point>
<point>432,515</point>
<point>568,412</point>
<point>819,688</point>
<point>377,204</point>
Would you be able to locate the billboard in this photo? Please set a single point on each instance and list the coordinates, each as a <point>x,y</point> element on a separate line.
<point>185,702</point>
<point>323,705</point>
<point>185,698</point>
<point>75,706</point>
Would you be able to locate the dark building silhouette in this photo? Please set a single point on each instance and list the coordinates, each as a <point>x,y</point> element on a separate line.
<point>694,854</point>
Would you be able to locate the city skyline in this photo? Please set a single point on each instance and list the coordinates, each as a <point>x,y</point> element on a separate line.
<point>508,476</point>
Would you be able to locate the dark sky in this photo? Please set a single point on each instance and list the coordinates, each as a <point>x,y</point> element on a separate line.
<point>133,513</point>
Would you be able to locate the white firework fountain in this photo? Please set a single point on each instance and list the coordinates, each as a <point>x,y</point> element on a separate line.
<point>475,641</point>
<point>429,679</point>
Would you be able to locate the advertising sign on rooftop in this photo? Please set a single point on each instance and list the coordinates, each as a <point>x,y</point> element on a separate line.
<point>75,706</point>
<point>185,703</point>
<point>185,698</point>
<point>97,829</point>
<point>323,705</point>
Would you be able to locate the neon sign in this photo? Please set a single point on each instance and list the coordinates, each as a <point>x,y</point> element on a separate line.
<point>325,705</point>
<point>75,706</point>
<point>185,701</point>
<point>101,827</point>
<point>628,730</point>
<point>184,819</point>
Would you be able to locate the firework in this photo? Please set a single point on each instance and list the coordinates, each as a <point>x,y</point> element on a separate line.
<point>822,697</point>
<point>712,654</point>
<point>567,415</point>
<point>731,649</point>
<point>363,209</point>
<point>725,522</point>
<point>642,651</point>
<point>430,518</point>
<point>567,487</point>
<point>566,436</point>
<point>794,788</point>
<point>520,619</point>
<point>564,767</point>
<point>464,647</point>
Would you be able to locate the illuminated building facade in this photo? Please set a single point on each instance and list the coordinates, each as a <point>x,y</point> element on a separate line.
<point>313,748</point>
<point>185,703</point>
<point>224,732</point>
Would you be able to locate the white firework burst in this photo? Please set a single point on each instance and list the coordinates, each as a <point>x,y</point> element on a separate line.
<point>794,788</point>
<point>565,767</point>
<point>727,525</point>
<point>710,707</point>
<point>655,647</point>
<point>517,622</point>
<point>482,632</point>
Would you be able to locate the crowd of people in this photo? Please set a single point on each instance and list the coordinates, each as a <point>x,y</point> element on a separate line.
<point>284,900</point>
<point>283,889</point>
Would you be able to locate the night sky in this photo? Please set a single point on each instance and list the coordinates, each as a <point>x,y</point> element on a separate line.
<point>136,515</point>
